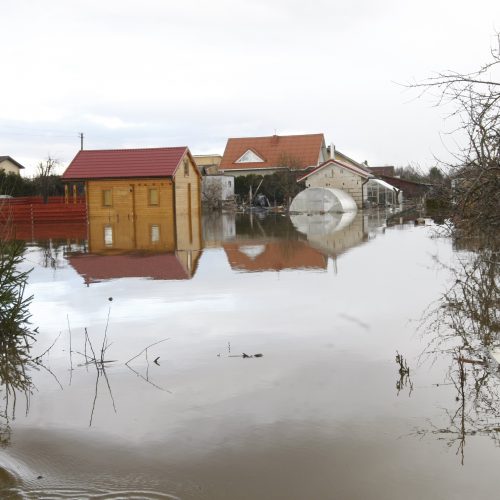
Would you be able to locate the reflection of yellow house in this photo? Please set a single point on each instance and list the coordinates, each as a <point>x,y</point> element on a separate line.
<point>141,246</point>
<point>148,234</point>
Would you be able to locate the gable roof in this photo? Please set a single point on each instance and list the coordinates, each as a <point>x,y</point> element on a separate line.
<point>343,158</point>
<point>303,149</point>
<point>3,158</point>
<point>119,163</point>
<point>356,170</point>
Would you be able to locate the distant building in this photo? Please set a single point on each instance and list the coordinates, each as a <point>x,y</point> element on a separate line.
<point>208,164</point>
<point>216,189</point>
<point>411,189</point>
<point>387,171</point>
<point>270,154</point>
<point>9,165</point>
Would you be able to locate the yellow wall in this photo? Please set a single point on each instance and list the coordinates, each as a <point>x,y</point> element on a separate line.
<point>207,160</point>
<point>180,222</point>
<point>188,206</point>
<point>8,167</point>
<point>127,195</point>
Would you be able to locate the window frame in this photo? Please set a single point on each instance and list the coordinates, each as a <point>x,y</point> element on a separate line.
<point>110,204</point>
<point>150,202</point>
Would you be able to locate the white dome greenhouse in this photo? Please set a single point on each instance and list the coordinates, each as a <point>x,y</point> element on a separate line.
<point>322,200</point>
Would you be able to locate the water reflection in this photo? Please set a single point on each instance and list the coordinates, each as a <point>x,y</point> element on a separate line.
<point>16,334</point>
<point>274,242</point>
<point>326,398</point>
<point>465,327</point>
<point>160,247</point>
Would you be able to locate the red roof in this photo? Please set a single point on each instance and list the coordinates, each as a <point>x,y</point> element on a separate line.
<point>304,150</point>
<point>118,163</point>
<point>95,268</point>
<point>352,168</point>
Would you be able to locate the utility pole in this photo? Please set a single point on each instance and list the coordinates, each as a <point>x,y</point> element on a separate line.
<point>81,141</point>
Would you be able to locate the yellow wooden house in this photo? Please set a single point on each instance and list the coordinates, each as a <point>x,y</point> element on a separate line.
<point>150,188</point>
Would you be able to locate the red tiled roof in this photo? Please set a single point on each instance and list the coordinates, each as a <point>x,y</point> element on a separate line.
<point>303,149</point>
<point>118,163</point>
<point>94,268</point>
<point>352,168</point>
<point>275,256</point>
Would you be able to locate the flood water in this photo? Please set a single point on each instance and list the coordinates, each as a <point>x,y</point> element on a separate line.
<point>325,413</point>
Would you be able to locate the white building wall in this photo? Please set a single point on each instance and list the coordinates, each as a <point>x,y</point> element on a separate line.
<point>8,167</point>
<point>223,183</point>
<point>334,176</point>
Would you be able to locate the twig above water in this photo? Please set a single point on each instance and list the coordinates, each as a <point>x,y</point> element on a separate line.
<point>146,348</point>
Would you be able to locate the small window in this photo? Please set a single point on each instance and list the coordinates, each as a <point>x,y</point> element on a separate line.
<point>186,167</point>
<point>229,184</point>
<point>155,233</point>
<point>108,236</point>
<point>107,198</point>
<point>154,197</point>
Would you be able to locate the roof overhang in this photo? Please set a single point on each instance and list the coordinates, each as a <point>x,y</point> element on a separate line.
<point>355,170</point>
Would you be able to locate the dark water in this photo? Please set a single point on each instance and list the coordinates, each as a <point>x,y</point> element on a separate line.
<point>326,412</point>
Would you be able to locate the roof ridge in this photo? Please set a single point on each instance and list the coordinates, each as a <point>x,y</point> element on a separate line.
<point>131,149</point>
<point>277,135</point>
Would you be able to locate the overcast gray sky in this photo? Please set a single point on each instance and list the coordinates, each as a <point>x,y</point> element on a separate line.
<point>132,73</point>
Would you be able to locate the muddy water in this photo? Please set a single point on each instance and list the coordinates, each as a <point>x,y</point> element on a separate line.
<point>324,413</point>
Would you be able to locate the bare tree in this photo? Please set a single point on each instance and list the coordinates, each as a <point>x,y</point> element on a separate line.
<point>211,192</point>
<point>46,171</point>
<point>474,174</point>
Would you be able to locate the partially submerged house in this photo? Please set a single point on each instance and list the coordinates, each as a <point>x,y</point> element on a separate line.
<point>270,154</point>
<point>359,183</point>
<point>9,165</point>
<point>158,189</point>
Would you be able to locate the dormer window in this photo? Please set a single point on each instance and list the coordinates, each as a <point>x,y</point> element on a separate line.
<point>249,157</point>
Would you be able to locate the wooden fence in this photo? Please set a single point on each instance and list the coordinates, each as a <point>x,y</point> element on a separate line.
<point>32,210</point>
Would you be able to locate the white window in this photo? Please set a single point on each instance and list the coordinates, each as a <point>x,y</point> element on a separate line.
<point>155,233</point>
<point>249,157</point>
<point>108,236</point>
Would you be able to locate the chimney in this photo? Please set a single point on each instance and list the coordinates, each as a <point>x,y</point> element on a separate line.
<point>332,151</point>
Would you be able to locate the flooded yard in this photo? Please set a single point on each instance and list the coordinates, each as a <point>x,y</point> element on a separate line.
<point>148,384</point>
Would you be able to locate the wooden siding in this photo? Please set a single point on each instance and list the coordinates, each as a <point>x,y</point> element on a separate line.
<point>334,176</point>
<point>129,197</point>
<point>188,206</point>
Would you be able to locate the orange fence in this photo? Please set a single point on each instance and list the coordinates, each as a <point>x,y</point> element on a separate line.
<point>32,210</point>
<point>58,231</point>
<point>38,200</point>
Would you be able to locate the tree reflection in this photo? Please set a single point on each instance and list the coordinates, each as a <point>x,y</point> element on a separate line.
<point>16,335</point>
<point>465,326</point>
